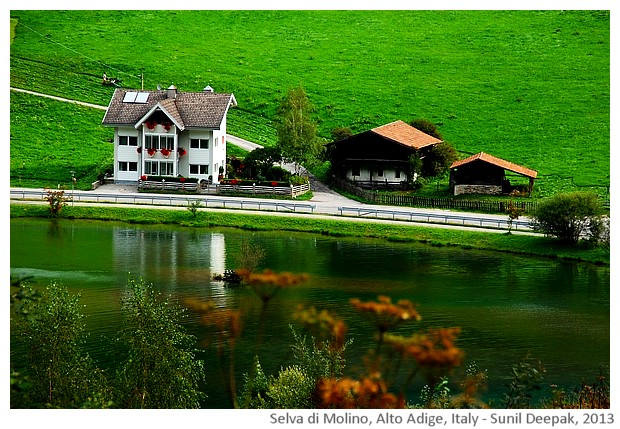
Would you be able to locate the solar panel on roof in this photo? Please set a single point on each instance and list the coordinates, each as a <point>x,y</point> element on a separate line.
<point>142,97</point>
<point>130,97</point>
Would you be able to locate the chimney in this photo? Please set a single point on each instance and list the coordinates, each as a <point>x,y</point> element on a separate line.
<point>171,92</point>
<point>208,88</point>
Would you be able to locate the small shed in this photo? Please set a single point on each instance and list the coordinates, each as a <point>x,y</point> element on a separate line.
<point>486,174</point>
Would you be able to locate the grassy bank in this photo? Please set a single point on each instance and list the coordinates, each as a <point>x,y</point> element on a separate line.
<point>528,86</point>
<point>511,243</point>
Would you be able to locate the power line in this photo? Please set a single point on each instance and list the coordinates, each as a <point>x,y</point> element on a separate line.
<point>77,52</point>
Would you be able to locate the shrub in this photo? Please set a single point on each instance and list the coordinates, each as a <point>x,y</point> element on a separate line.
<point>427,127</point>
<point>56,200</point>
<point>341,133</point>
<point>59,374</point>
<point>439,160</point>
<point>276,173</point>
<point>571,217</point>
<point>291,389</point>
<point>161,369</point>
<point>259,161</point>
<point>526,379</point>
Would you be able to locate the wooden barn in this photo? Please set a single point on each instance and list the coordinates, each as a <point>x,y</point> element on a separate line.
<point>379,158</point>
<point>486,174</point>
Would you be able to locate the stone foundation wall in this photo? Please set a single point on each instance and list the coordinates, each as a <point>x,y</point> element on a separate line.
<point>478,189</point>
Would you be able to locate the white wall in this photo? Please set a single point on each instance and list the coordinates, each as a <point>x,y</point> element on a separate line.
<point>126,154</point>
<point>389,175</point>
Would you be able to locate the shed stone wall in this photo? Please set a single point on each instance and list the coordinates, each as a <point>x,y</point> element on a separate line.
<point>477,189</point>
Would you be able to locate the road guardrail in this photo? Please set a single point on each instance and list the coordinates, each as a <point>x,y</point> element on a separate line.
<point>171,200</point>
<point>435,218</point>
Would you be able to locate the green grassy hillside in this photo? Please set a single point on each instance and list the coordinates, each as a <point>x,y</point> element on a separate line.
<point>528,86</point>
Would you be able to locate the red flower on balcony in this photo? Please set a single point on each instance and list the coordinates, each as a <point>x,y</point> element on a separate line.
<point>182,152</point>
<point>165,152</point>
<point>139,149</point>
<point>151,151</point>
<point>150,125</point>
<point>167,125</point>
<point>274,183</point>
<point>182,179</point>
<point>144,177</point>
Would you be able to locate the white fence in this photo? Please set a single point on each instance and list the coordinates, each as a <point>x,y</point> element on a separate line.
<point>289,191</point>
<point>292,191</point>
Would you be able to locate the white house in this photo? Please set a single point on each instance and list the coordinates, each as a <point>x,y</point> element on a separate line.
<point>168,133</point>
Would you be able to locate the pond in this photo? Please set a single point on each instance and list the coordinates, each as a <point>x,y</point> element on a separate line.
<point>507,306</point>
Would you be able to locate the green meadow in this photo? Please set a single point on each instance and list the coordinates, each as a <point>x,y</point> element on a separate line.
<point>532,87</point>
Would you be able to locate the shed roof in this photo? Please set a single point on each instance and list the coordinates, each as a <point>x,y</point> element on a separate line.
<point>191,109</point>
<point>405,134</point>
<point>485,157</point>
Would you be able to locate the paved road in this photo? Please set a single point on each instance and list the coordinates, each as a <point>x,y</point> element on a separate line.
<point>323,205</point>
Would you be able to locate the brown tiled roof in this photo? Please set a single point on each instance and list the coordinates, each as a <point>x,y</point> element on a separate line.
<point>171,107</point>
<point>499,162</point>
<point>405,134</point>
<point>192,109</point>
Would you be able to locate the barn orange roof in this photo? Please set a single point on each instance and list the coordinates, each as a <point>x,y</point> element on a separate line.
<point>499,162</point>
<point>405,134</point>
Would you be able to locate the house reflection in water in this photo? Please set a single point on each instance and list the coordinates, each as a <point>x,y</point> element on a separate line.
<point>170,258</point>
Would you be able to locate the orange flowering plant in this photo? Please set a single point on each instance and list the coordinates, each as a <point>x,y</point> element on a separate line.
<point>228,323</point>
<point>385,314</point>
<point>367,392</point>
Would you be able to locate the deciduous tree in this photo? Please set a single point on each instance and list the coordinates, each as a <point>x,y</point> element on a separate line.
<point>297,131</point>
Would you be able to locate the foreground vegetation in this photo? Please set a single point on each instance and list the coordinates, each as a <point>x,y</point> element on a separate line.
<point>528,86</point>
<point>512,243</point>
<point>161,371</point>
<point>48,328</point>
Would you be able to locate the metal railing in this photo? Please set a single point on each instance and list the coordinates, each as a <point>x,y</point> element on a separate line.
<point>436,218</point>
<point>171,200</point>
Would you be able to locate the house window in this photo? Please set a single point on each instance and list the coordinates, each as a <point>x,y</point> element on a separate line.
<point>159,168</point>
<point>397,174</point>
<point>153,141</point>
<point>380,173</point>
<point>127,166</point>
<point>198,169</point>
<point>355,171</point>
<point>199,143</point>
<point>166,142</point>
<point>127,141</point>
